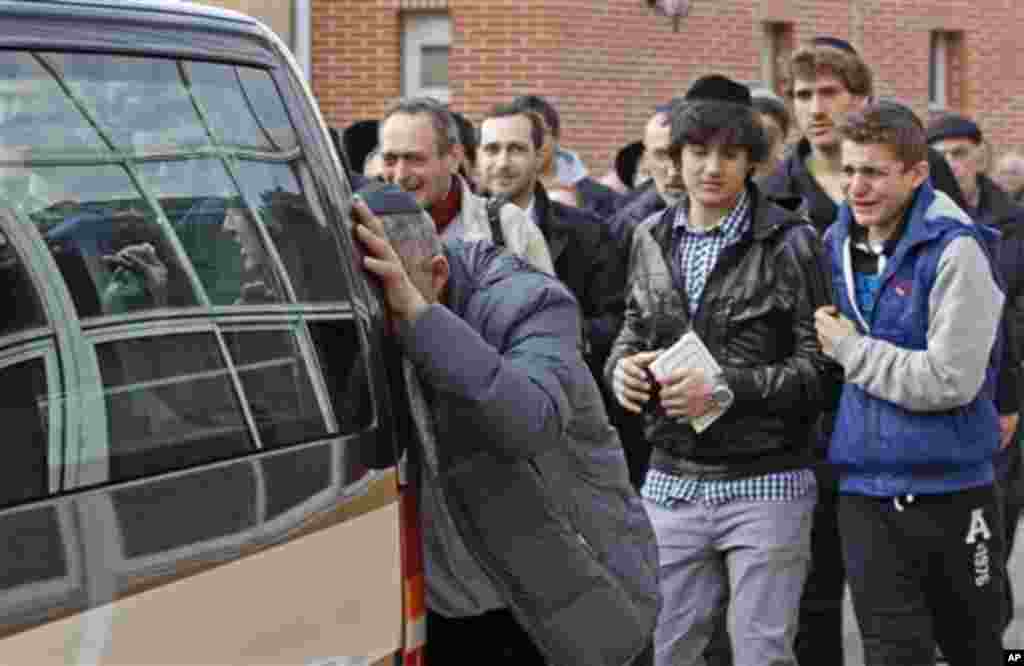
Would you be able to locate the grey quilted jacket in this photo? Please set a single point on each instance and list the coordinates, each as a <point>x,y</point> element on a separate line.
<point>530,469</point>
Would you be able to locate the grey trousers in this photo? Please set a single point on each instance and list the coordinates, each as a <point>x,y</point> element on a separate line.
<point>760,551</point>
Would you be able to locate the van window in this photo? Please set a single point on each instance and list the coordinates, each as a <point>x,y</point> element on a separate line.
<point>19,305</point>
<point>243,107</point>
<point>170,404</point>
<point>338,350</point>
<point>24,474</point>
<point>142,104</point>
<point>308,251</point>
<point>277,385</point>
<point>224,240</point>
<point>35,551</point>
<point>174,401</point>
<point>108,243</point>
<point>188,230</point>
<point>35,114</point>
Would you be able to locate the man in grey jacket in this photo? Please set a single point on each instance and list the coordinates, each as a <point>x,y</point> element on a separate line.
<point>535,544</point>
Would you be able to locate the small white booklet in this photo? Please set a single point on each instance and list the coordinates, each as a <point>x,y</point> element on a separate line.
<point>690,352</point>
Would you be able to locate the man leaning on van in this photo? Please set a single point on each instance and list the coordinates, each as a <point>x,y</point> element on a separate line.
<point>535,544</point>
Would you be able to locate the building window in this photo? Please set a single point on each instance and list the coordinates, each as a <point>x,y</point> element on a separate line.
<point>946,67</point>
<point>426,46</point>
<point>938,69</point>
<point>434,66</point>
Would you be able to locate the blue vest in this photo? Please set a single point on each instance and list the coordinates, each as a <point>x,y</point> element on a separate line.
<point>880,448</point>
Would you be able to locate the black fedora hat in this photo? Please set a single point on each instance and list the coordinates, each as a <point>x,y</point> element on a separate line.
<point>627,160</point>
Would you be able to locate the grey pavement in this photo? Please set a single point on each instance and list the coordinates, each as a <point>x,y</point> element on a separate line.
<point>1013,639</point>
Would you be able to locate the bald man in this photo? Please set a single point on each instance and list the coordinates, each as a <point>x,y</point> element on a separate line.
<point>1009,174</point>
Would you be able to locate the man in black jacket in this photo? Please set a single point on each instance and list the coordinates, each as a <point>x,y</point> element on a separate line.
<point>580,245</point>
<point>731,502</point>
<point>589,194</point>
<point>665,187</point>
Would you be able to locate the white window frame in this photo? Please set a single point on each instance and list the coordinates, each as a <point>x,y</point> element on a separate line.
<point>938,62</point>
<point>302,14</point>
<point>419,30</point>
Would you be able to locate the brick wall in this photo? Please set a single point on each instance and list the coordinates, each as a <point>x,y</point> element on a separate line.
<point>607,63</point>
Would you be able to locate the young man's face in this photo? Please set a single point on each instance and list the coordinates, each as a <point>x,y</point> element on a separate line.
<point>668,178</point>
<point>820,104</point>
<point>966,159</point>
<point>507,159</point>
<point>715,173</point>
<point>411,158</point>
<point>878,186</point>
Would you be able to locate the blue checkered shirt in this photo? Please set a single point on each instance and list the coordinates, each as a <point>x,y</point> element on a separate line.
<point>697,249</point>
<point>668,489</point>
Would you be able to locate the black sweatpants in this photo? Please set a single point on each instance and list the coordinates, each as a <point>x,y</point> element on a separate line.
<point>926,569</point>
<point>495,637</point>
<point>819,637</point>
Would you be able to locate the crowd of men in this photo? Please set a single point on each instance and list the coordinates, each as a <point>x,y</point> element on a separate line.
<point>859,289</point>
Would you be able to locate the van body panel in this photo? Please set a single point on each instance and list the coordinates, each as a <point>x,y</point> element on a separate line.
<point>317,597</point>
<point>320,583</point>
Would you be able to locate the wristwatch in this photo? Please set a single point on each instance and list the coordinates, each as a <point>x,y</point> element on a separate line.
<point>722,395</point>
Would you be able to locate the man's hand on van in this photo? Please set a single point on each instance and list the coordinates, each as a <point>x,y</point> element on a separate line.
<point>404,300</point>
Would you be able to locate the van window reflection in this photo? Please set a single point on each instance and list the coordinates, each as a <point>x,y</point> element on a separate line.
<point>303,240</point>
<point>259,283</point>
<point>20,307</point>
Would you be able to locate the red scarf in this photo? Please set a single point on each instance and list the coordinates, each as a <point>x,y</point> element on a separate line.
<point>447,209</point>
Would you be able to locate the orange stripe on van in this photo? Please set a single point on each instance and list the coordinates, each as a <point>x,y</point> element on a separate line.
<point>414,606</point>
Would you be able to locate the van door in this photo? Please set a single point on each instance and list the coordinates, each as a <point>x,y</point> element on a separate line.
<point>209,400</point>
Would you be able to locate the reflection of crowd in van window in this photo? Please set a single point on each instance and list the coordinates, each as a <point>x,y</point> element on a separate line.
<point>19,308</point>
<point>26,191</point>
<point>259,285</point>
<point>290,226</point>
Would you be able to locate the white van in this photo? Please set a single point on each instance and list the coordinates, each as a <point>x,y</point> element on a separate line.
<point>198,444</point>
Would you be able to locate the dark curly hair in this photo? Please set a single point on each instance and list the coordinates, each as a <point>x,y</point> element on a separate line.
<point>702,122</point>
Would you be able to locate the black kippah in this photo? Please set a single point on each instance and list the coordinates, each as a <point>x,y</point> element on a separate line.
<point>900,107</point>
<point>953,127</point>
<point>387,199</point>
<point>718,88</point>
<point>835,43</point>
